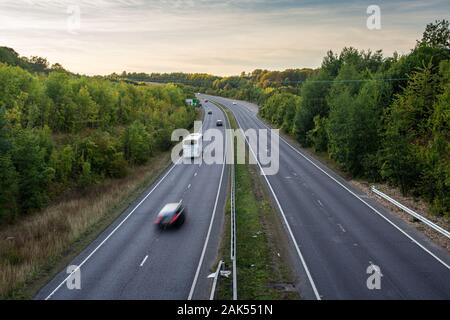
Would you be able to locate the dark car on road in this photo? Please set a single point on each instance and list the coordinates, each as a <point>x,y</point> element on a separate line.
<point>219,123</point>
<point>209,112</point>
<point>171,215</point>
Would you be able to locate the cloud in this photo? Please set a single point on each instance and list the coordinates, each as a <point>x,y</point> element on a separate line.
<point>221,37</point>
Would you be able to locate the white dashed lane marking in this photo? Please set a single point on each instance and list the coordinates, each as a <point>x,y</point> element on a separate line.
<point>143,261</point>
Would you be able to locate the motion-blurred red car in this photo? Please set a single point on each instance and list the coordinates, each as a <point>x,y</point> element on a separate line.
<point>171,215</point>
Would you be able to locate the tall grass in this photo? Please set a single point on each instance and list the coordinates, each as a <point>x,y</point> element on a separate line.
<point>263,270</point>
<point>28,246</point>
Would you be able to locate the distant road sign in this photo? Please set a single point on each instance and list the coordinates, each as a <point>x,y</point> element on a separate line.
<point>193,102</point>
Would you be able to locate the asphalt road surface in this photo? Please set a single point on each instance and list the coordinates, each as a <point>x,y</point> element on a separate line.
<point>336,232</point>
<point>132,259</point>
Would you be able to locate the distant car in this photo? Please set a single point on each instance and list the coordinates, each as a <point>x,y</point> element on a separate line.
<point>219,123</point>
<point>171,215</point>
<point>209,112</point>
<point>206,101</point>
<point>234,103</point>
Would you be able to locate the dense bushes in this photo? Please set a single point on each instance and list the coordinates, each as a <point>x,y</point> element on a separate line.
<point>417,140</point>
<point>380,118</point>
<point>280,110</point>
<point>60,132</point>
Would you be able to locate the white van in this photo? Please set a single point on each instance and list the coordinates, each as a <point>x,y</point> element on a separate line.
<point>192,145</point>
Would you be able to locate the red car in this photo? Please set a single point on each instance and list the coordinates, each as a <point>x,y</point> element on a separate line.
<point>171,215</point>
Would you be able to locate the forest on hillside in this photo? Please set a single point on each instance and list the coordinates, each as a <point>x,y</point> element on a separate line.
<point>62,132</point>
<point>379,118</point>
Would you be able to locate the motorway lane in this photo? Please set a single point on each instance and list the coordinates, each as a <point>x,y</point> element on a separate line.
<point>117,270</point>
<point>339,236</point>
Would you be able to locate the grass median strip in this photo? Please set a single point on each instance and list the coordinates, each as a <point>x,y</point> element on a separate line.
<point>262,266</point>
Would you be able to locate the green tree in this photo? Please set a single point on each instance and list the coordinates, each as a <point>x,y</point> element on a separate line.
<point>137,143</point>
<point>437,34</point>
<point>435,180</point>
<point>30,156</point>
<point>313,104</point>
<point>318,136</point>
<point>38,64</point>
<point>280,110</point>
<point>408,129</point>
<point>63,161</point>
<point>9,189</point>
<point>353,129</point>
<point>63,109</point>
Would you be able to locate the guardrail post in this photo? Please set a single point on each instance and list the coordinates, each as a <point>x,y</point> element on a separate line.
<point>411,212</point>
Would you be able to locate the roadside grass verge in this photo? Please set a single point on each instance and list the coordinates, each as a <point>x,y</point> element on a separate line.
<point>37,247</point>
<point>263,271</point>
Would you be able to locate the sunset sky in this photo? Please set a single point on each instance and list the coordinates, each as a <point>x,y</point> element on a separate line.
<point>218,37</point>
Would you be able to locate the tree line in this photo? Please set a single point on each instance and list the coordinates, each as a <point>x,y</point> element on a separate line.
<point>62,132</point>
<point>247,85</point>
<point>33,64</point>
<point>380,118</point>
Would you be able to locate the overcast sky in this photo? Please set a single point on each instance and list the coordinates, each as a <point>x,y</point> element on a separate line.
<point>218,37</point>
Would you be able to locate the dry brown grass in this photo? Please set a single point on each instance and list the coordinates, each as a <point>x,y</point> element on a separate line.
<point>418,205</point>
<point>28,246</point>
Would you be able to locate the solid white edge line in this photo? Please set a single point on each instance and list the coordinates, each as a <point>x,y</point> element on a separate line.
<point>233,220</point>
<point>213,288</point>
<point>143,261</point>
<point>359,198</point>
<point>234,230</point>
<point>297,248</point>
<point>194,283</point>
<point>116,228</point>
<point>113,231</point>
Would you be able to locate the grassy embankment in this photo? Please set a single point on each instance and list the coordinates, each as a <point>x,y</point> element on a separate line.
<point>35,248</point>
<point>262,264</point>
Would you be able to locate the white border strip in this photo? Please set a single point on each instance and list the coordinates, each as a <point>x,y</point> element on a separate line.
<point>213,289</point>
<point>359,198</point>
<point>202,256</point>
<point>116,228</point>
<point>297,248</point>
<point>112,232</point>
<point>233,228</point>
<point>233,217</point>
